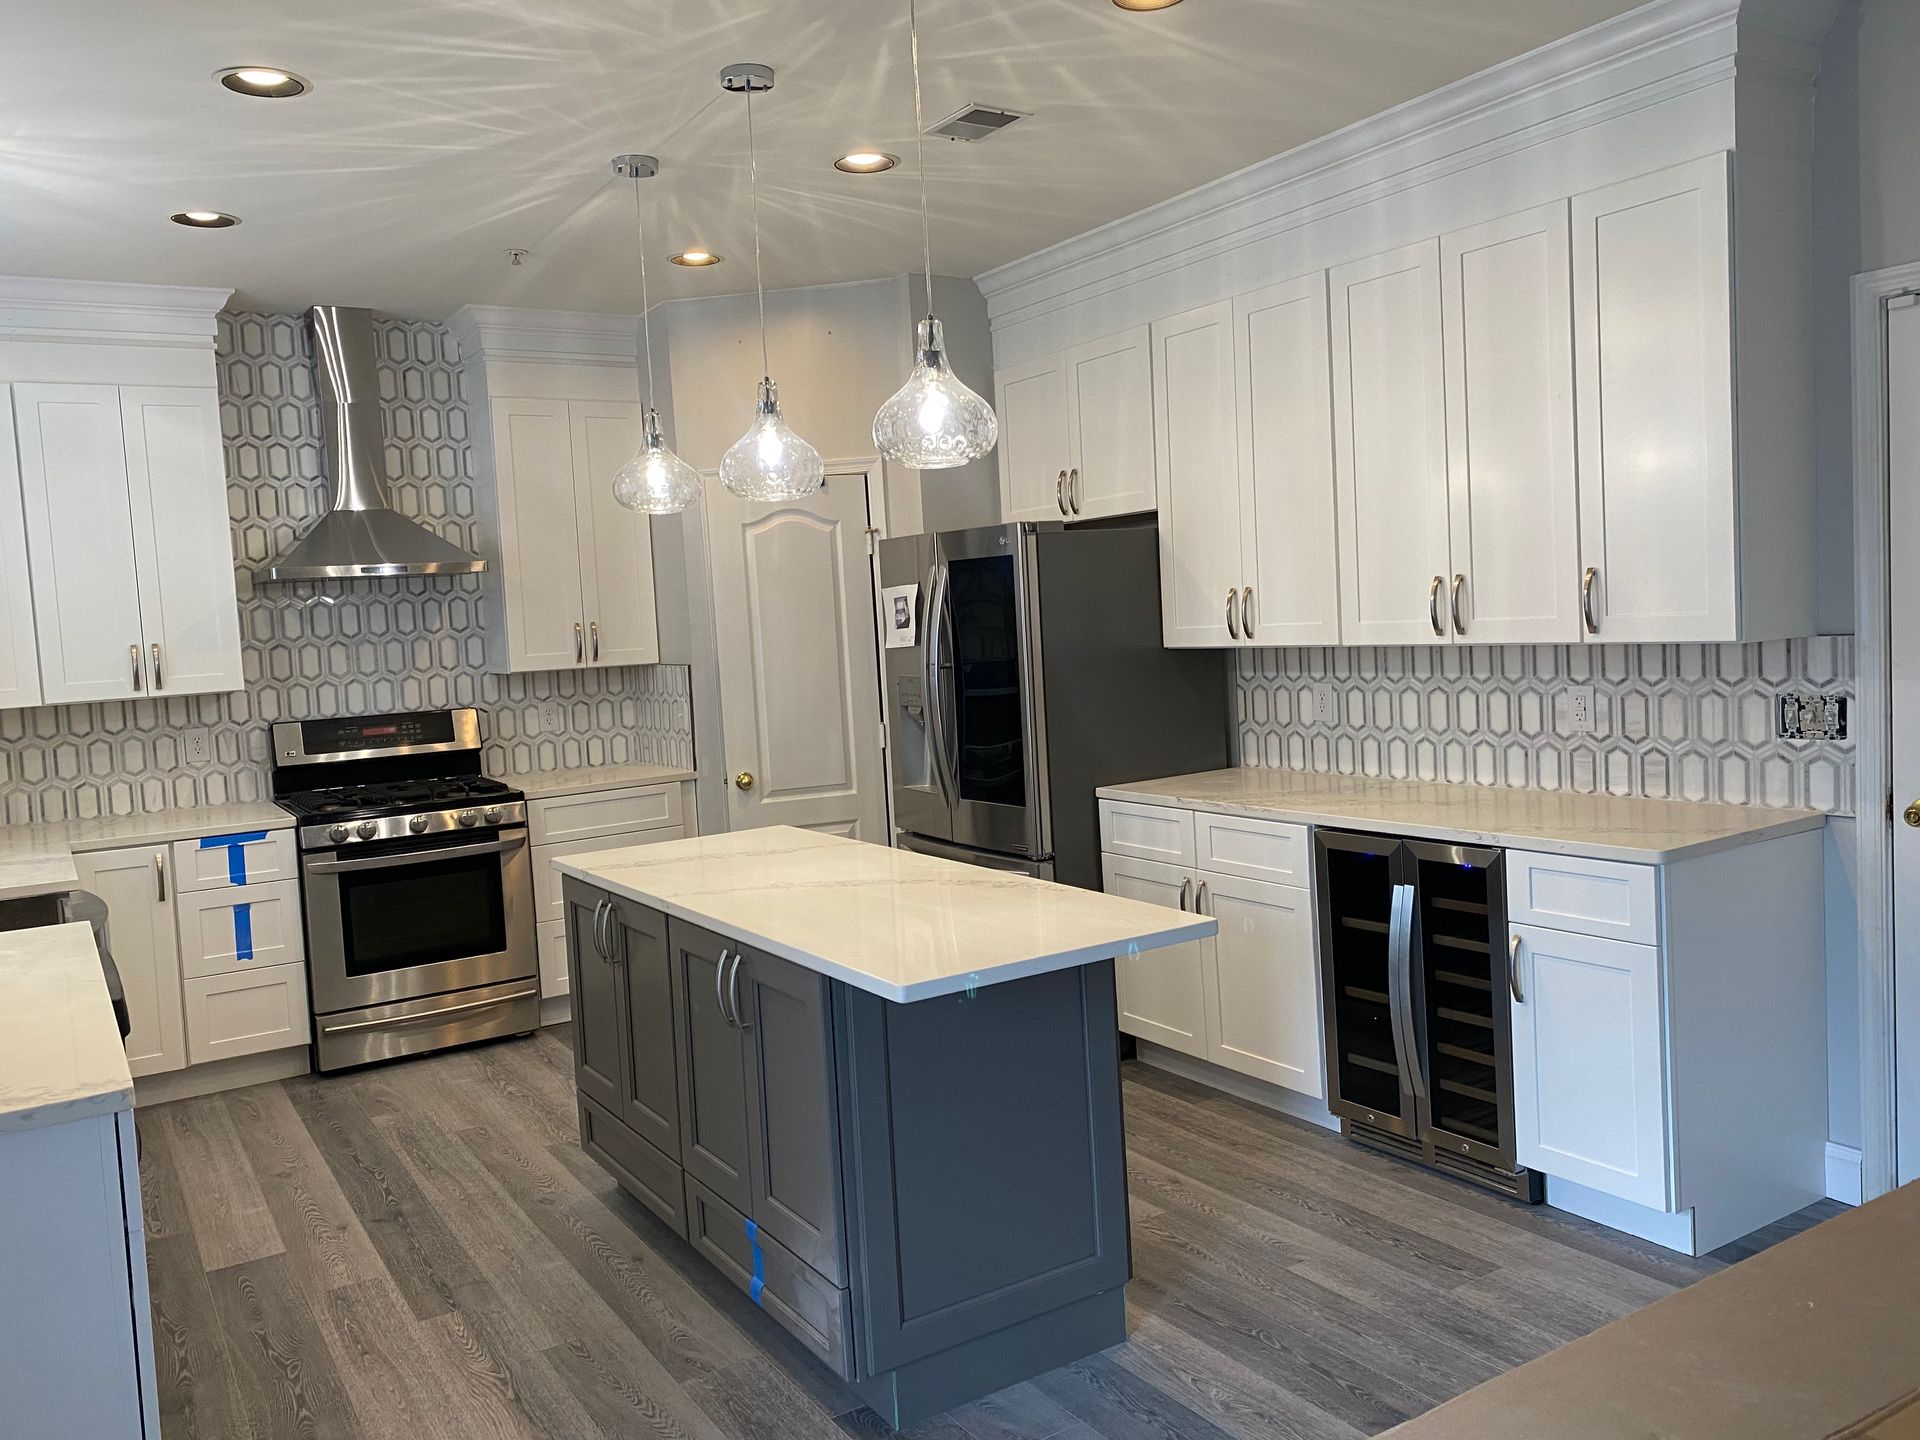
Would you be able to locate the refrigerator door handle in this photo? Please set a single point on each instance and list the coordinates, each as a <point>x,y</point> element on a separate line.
<point>935,699</point>
<point>1400,982</point>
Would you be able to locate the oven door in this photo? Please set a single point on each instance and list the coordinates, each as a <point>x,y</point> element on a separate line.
<point>411,919</point>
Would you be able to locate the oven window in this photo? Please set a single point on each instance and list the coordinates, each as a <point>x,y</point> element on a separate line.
<point>395,919</point>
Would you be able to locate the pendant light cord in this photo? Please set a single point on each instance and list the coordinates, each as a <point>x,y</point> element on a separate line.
<point>920,150</point>
<point>753,186</point>
<point>646,311</point>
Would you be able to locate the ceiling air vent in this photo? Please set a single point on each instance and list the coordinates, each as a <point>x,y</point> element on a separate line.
<point>975,122</point>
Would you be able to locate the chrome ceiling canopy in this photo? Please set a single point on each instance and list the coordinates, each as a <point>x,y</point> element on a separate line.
<point>362,534</point>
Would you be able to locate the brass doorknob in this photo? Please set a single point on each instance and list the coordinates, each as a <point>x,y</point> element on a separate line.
<point>745,781</point>
<point>1912,815</point>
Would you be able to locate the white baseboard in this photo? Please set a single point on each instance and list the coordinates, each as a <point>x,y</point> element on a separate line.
<point>1244,1087</point>
<point>1843,1173</point>
<point>218,1075</point>
<point>1673,1232</point>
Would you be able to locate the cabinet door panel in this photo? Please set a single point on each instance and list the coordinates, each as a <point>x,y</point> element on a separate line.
<point>794,1105</point>
<point>715,1135</point>
<point>146,951</point>
<point>540,582</point>
<point>1034,447</point>
<point>1653,333</point>
<point>1283,373</point>
<point>1589,1075</point>
<point>616,545</point>
<point>86,591</point>
<point>650,1078</point>
<point>1110,418</point>
<point>1263,1006</point>
<point>1390,429</point>
<point>182,541</point>
<point>1199,489</point>
<point>19,658</point>
<point>599,1002</point>
<point>1506,289</point>
<point>1161,992</point>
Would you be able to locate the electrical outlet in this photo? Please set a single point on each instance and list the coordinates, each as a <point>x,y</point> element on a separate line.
<point>1805,716</point>
<point>1580,710</point>
<point>553,717</point>
<point>197,744</point>
<point>1323,704</point>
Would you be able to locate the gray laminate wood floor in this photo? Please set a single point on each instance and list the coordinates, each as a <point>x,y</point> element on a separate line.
<point>420,1251</point>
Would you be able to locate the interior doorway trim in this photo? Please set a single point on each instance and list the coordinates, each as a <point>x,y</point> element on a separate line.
<point>1874,759</point>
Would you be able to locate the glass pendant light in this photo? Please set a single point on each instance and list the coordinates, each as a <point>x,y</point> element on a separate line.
<point>933,422</point>
<point>655,481</point>
<point>769,462</point>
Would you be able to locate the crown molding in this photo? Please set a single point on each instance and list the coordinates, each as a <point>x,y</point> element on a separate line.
<point>108,312</point>
<point>488,333</point>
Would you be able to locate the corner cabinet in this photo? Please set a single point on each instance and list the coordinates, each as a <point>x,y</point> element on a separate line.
<point>1076,432</point>
<point>555,407</point>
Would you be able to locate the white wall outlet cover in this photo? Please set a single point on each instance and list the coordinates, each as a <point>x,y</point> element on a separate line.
<point>553,717</point>
<point>1323,703</point>
<point>196,743</point>
<point>1576,715</point>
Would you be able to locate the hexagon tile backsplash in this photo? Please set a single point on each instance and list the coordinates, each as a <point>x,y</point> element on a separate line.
<point>363,646</point>
<point>1682,722</point>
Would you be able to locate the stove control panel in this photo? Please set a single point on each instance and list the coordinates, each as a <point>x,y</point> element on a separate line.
<point>425,824</point>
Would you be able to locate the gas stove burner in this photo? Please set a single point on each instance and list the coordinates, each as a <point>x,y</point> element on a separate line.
<point>397,797</point>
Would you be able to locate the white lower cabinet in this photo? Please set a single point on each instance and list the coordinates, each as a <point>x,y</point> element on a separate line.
<point>1162,993</point>
<point>146,950</point>
<point>1589,1066</point>
<point>246,1012</point>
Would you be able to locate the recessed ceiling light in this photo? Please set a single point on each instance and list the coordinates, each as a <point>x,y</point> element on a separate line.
<point>866,162</point>
<point>1146,4</point>
<point>204,219</point>
<point>695,258</point>
<point>265,81</point>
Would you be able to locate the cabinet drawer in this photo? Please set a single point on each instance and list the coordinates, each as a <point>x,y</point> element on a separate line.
<point>1588,897</point>
<point>550,944</point>
<point>1146,832</point>
<point>603,812</point>
<point>814,1312</point>
<point>223,932</point>
<point>646,1174</point>
<point>250,857</point>
<point>246,1013</point>
<point>548,903</point>
<point>1252,849</point>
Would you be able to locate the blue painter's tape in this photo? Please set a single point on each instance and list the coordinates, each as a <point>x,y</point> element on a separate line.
<point>243,930</point>
<point>759,1285</point>
<point>236,848</point>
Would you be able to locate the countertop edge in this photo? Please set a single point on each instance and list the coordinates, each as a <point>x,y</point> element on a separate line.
<point>59,1112</point>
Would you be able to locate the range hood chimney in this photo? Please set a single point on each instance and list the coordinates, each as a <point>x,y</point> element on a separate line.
<point>362,534</point>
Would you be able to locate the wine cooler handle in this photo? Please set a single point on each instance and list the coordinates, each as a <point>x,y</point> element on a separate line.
<point>1400,982</point>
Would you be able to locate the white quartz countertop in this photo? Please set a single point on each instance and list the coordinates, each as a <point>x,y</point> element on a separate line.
<point>902,926</point>
<point>1605,827</point>
<point>38,859</point>
<point>60,1051</point>
<point>546,784</point>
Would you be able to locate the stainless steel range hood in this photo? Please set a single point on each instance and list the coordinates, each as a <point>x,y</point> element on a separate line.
<point>362,534</point>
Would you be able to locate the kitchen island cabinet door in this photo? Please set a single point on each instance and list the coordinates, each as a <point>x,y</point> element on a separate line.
<point>715,1133</point>
<point>599,1003</point>
<point>650,1077</point>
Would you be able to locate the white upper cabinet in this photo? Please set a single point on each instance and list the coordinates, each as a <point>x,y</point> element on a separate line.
<point>1390,432</point>
<point>1201,564</point>
<point>616,560</point>
<point>19,658</point>
<point>124,492</point>
<point>1505,290</point>
<point>539,535</point>
<point>1076,431</point>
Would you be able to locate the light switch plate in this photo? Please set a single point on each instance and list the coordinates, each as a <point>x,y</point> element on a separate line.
<point>196,742</point>
<point>1805,716</point>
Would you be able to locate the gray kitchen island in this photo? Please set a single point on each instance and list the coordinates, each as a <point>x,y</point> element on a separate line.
<point>879,1091</point>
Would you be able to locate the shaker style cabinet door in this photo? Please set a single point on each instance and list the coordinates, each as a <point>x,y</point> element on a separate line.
<point>1390,433</point>
<point>649,1095</point>
<point>616,545</point>
<point>599,1001</point>
<point>1506,292</point>
<point>138,890</point>
<point>19,654</point>
<point>539,585</point>
<point>1110,419</point>
<point>1263,993</point>
<point>1161,992</point>
<point>715,1134</point>
<point>1035,450</point>
<point>1199,489</point>
<point>1653,337</point>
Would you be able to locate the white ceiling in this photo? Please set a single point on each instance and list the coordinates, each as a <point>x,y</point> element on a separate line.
<point>442,132</point>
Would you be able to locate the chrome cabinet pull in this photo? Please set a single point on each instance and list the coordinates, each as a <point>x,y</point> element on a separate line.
<point>1586,600</point>
<point>160,876</point>
<point>1433,604</point>
<point>579,644</point>
<point>1060,492</point>
<point>1186,889</point>
<point>1459,583</point>
<point>1246,613</point>
<point>158,682</point>
<point>1233,625</point>
<point>1200,900</point>
<point>133,654</point>
<point>740,1021</point>
<point>595,628</point>
<point>1073,489</point>
<point>720,985</point>
<point>1513,970</point>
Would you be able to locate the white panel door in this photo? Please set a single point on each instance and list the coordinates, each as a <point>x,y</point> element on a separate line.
<point>1283,374</point>
<point>616,545</point>
<point>799,663</point>
<point>540,542</point>
<point>1653,341</point>
<point>1200,522</point>
<point>86,588</point>
<point>1903,586</point>
<point>1263,986</point>
<point>146,950</point>
<point>182,539</point>
<point>1161,992</point>
<point>1390,433</point>
<point>1110,419</point>
<point>1589,1070</point>
<point>1035,451</point>
<point>1506,294</point>
<point>19,657</point>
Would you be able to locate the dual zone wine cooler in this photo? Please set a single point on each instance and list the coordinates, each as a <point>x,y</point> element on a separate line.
<point>1417,983</point>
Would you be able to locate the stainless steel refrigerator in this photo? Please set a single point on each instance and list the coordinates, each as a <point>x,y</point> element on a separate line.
<point>1024,668</point>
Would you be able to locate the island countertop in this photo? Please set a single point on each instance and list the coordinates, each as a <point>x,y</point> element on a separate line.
<point>60,1052</point>
<point>896,924</point>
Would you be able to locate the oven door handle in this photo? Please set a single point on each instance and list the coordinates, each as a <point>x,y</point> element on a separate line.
<point>414,857</point>
<point>429,1014</point>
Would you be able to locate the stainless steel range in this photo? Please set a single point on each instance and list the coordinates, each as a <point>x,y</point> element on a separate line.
<point>417,881</point>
